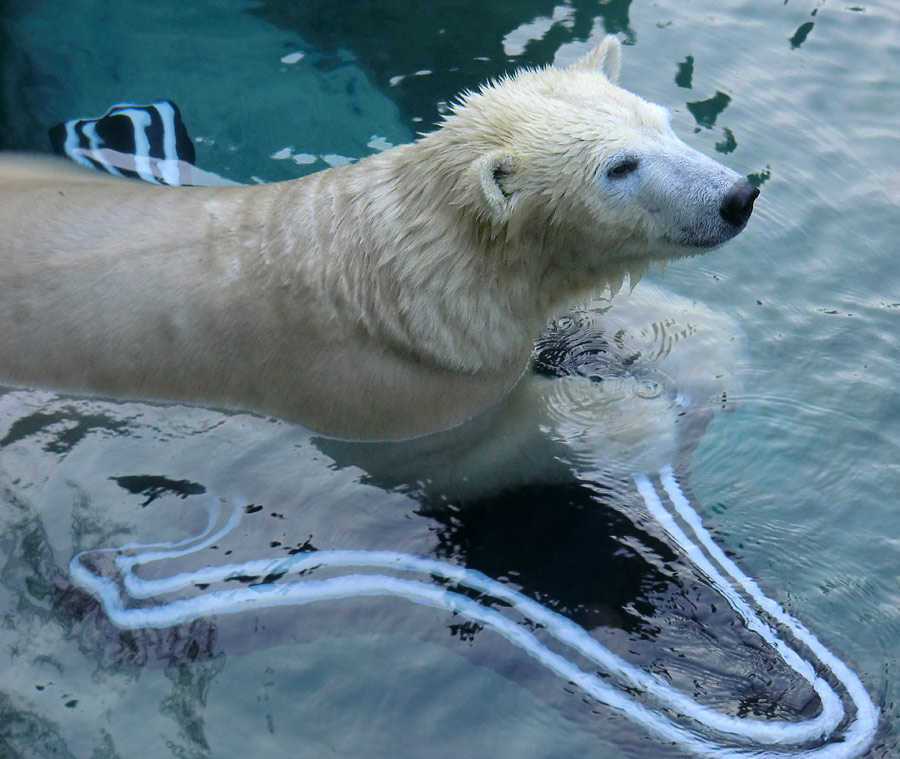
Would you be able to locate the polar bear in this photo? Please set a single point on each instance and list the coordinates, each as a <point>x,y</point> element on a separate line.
<point>384,299</point>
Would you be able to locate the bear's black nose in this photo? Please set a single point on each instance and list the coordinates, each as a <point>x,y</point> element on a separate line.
<point>738,203</point>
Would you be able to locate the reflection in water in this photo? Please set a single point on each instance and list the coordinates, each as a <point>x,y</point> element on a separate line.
<point>382,39</point>
<point>567,546</point>
<point>729,144</point>
<point>154,486</point>
<point>705,112</point>
<point>760,177</point>
<point>685,74</point>
<point>638,695</point>
<point>801,34</point>
<point>67,430</point>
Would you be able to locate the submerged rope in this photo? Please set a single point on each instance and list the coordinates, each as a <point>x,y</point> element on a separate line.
<point>699,729</point>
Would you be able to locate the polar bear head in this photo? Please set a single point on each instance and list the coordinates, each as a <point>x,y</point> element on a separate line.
<point>565,157</point>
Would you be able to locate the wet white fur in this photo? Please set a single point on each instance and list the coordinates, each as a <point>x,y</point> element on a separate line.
<point>388,298</point>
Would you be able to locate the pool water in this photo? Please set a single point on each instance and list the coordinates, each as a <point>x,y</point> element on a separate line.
<point>798,484</point>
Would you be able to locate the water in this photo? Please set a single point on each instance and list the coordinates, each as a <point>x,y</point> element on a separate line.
<point>798,483</point>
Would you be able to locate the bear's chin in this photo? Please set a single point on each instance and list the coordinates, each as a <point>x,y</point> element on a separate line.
<point>672,251</point>
<point>693,243</point>
<point>668,249</point>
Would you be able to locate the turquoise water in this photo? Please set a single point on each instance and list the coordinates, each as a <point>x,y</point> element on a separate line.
<point>799,483</point>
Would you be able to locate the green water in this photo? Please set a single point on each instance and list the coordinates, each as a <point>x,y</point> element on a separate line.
<point>800,483</point>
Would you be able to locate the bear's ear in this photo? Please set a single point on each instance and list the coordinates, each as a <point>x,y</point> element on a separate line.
<point>605,58</point>
<point>488,173</point>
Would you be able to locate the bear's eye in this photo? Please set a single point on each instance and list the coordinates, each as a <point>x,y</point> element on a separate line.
<point>623,168</point>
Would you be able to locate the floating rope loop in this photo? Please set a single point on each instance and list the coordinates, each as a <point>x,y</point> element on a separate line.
<point>696,728</point>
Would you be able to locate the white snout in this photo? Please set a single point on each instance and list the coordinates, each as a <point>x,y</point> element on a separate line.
<point>691,200</point>
<point>677,195</point>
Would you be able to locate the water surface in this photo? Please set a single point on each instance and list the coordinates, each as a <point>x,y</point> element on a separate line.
<point>799,483</point>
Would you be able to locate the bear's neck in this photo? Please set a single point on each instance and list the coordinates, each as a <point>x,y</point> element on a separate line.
<point>401,257</point>
<point>421,271</point>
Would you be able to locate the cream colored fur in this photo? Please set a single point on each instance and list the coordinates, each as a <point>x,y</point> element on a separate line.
<point>388,298</point>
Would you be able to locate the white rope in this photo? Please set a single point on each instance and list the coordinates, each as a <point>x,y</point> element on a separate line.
<point>863,728</point>
<point>697,736</point>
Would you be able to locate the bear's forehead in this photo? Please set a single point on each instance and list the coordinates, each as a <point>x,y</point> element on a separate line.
<point>582,100</point>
